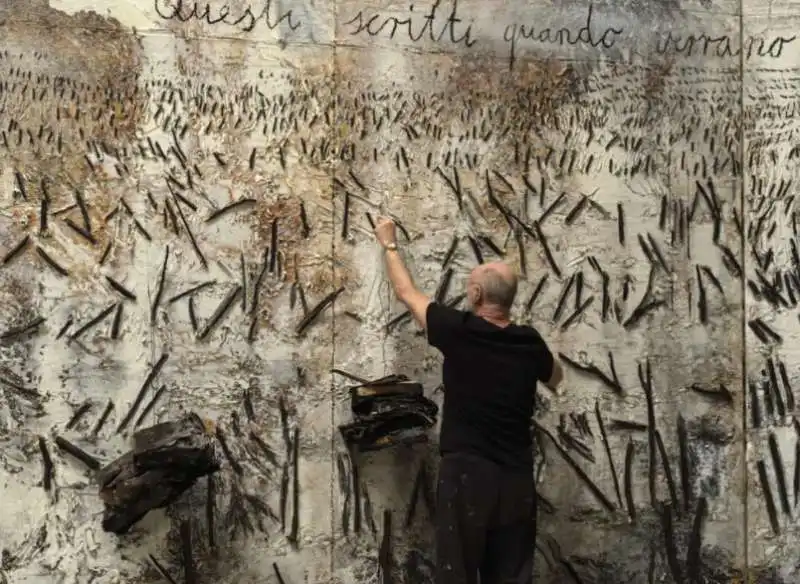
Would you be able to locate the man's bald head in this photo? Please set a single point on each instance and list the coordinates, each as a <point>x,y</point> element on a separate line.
<point>493,285</point>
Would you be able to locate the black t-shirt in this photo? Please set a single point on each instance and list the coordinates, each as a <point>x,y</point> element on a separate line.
<point>489,376</point>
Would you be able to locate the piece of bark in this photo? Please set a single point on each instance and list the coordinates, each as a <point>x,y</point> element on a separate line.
<point>136,497</point>
<point>185,443</point>
<point>388,412</point>
<point>166,460</point>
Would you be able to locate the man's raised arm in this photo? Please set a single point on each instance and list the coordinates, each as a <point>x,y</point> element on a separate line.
<point>402,284</point>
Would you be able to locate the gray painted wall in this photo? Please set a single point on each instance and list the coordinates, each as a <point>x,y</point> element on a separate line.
<point>588,121</point>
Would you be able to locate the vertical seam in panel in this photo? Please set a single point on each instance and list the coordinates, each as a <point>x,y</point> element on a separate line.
<point>332,495</point>
<point>742,251</point>
<point>332,386</point>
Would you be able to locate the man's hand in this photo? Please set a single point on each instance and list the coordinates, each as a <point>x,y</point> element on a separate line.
<point>403,285</point>
<point>385,231</point>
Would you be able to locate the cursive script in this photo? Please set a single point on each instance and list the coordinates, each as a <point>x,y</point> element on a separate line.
<point>245,20</point>
<point>415,28</point>
<point>721,46</point>
<point>586,35</point>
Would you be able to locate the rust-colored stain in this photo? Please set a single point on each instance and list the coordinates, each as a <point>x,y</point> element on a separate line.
<point>655,78</point>
<point>106,101</point>
<point>56,115</point>
<point>306,259</point>
<point>535,91</point>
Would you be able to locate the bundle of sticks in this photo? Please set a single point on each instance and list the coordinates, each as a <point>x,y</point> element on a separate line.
<point>166,460</point>
<point>388,411</point>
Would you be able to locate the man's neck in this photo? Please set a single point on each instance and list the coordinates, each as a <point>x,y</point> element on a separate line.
<point>495,317</point>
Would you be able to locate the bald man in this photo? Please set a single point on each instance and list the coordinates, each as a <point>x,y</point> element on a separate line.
<point>486,504</point>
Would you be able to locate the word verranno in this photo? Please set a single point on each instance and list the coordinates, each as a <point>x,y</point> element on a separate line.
<point>416,27</point>
<point>722,46</point>
<point>246,19</point>
<point>586,35</point>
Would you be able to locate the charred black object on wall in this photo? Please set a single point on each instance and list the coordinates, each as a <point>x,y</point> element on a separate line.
<point>165,461</point>
<point>388,411</point>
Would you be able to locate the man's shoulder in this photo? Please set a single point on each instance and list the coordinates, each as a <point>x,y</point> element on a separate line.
<point>525,330</point>
<point>449,313</point>
<point>524,327</point>
<point>444,325</point>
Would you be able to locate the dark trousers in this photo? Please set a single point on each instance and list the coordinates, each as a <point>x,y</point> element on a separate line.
<point>485,523</point>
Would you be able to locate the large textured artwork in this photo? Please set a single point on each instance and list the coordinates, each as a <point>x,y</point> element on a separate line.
<point>188,194</point>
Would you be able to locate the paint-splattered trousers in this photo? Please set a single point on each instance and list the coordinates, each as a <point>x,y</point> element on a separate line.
<point>485,523</point>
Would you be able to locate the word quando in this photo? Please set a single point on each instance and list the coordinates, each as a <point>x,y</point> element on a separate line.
<point>585,35</point>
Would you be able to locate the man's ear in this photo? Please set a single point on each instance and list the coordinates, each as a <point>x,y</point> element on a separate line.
<point>477,295</point>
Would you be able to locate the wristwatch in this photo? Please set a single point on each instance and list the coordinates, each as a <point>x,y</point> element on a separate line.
<point>390,246</point>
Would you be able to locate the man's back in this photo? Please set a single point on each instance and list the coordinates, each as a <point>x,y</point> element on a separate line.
<point>490,375</point>
<point>486,502</point>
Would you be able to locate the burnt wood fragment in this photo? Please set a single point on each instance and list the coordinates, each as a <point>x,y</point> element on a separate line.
<point>166,460</point>
<point>388,412</point>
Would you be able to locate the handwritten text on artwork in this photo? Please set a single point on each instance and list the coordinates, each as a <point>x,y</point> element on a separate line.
<point>440,22</point>
<point>245,19</point>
